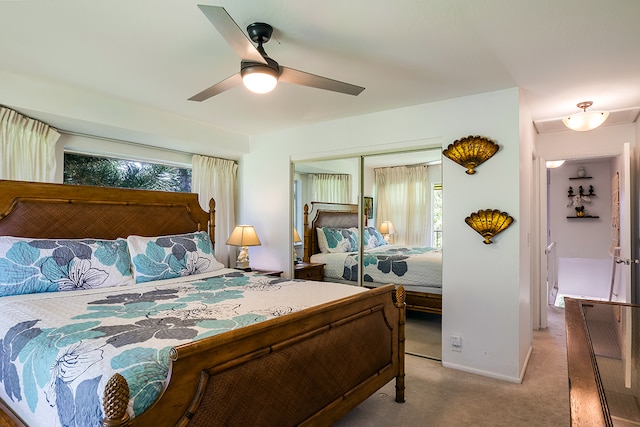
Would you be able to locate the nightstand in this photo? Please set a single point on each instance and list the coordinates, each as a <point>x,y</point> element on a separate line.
<point>309,271</point>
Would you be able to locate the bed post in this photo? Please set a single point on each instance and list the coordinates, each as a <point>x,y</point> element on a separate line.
<point>307,241</point>
<point>212,222</point>
<point>400,304</point>
<point>115,402</point>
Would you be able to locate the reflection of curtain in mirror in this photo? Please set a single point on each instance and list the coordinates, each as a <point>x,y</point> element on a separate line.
<point>403,197</point>
<point>332,188</point>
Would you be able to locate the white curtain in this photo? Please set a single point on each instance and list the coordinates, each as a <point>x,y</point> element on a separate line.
<point>404,198</point>
<point>216,178</point>
<point>27,148</point>
<point>332,188</point>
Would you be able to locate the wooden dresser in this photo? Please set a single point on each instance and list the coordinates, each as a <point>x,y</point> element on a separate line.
<point>309,271</point>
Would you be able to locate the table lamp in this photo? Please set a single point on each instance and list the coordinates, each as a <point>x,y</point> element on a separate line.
<point>386,229</point>
<point>243,236</point>
<point>296,239</point>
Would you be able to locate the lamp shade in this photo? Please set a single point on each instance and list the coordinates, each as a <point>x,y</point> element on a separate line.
<point>586,120</point>
<point>243,235</point>
<point>387,228</point>
<point>296,236</point>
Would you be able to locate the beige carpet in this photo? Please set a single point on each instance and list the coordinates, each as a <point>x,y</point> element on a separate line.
<point>438,396</point>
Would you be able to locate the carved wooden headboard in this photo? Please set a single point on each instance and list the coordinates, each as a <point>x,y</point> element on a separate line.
<point>42,210</point>
<point>333,215</point>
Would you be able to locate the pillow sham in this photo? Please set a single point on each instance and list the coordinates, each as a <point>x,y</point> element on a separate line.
<point>373,238</point>
<point>30,266</point>
<point>335,240</point>
<point>168,257</point>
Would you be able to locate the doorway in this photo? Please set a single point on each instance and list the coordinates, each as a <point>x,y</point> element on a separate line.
<point>583,226</point>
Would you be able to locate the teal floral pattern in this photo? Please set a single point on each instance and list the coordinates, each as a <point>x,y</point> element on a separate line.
<point>168,257</point>
<point>58,351</point>
<point>335,240</point>
<point>397,264</point>
<point>46,265</point>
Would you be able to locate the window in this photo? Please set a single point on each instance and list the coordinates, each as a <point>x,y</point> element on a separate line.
<point>436,215</point>
<point>80,169</point>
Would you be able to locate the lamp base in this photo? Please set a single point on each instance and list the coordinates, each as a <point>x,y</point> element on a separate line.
<point>242,263</point>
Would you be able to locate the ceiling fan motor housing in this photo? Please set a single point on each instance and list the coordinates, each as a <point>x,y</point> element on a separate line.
<point>259,32</point>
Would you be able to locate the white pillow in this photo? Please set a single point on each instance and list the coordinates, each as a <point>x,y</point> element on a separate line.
<point>168,257</point>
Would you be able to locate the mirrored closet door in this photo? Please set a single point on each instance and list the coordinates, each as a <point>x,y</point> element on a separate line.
<point>384,211</point>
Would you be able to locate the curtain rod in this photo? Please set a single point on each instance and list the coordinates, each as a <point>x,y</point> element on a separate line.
<point>135,144</point>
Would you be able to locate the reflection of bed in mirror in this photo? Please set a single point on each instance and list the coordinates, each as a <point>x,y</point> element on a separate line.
<point>419,270</point>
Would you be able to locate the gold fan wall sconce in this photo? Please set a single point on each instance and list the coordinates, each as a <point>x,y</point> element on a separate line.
<point>489,223</point>
<point>472,151</point>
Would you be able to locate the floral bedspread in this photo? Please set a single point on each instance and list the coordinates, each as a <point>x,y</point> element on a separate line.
<point>398,264</point>
<point>58,350</point>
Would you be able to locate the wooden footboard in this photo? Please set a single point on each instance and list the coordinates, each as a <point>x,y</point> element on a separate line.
<point>307,368</point>
<point>425,302</point>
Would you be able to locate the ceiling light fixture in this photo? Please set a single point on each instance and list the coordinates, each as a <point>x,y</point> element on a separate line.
<point>552,164</point>
<point>586,120</point>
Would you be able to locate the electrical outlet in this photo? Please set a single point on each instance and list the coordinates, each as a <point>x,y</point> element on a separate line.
<point>456,343</point>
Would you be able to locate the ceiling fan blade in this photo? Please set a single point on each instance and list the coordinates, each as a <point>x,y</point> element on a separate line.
<point>228,28</point>
<point>217,88</point>
<point>290,75</point>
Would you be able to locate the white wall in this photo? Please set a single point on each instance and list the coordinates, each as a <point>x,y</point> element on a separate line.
<point>483,286</point>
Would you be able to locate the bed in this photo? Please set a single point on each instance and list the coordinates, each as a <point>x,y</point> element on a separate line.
<point>418,270</point>
<point>281,363</point>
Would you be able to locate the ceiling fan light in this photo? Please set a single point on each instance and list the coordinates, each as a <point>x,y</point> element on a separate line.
<point>585,120</point>
<point>259,79</point>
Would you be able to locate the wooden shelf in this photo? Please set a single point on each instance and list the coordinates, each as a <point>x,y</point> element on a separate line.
<point>580,177</point>
<point>586,216</point>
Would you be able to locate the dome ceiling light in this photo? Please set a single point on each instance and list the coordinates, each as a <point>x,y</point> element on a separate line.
<point>585,120</point>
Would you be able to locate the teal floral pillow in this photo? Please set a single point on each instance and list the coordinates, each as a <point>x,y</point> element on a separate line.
<point>373,238</point>
<point>168,257</point>
<point>48,265</point>
<point>334,240</point>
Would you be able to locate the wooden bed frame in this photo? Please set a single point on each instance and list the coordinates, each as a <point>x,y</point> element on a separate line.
<point>342,215</point>
<point>307,368</point>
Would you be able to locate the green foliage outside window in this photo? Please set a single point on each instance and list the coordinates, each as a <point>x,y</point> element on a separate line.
<point>108,172</point>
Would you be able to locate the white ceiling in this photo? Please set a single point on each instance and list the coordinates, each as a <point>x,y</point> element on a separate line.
<point>154,54</point>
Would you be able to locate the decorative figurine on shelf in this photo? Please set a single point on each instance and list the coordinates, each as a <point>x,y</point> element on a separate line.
<point>591,190</point>
<point>570,191</point>
<point>578,202</point>
<point>582,172</point>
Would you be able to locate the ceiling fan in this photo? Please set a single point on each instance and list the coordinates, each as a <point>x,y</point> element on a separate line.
<point>258,72</point>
